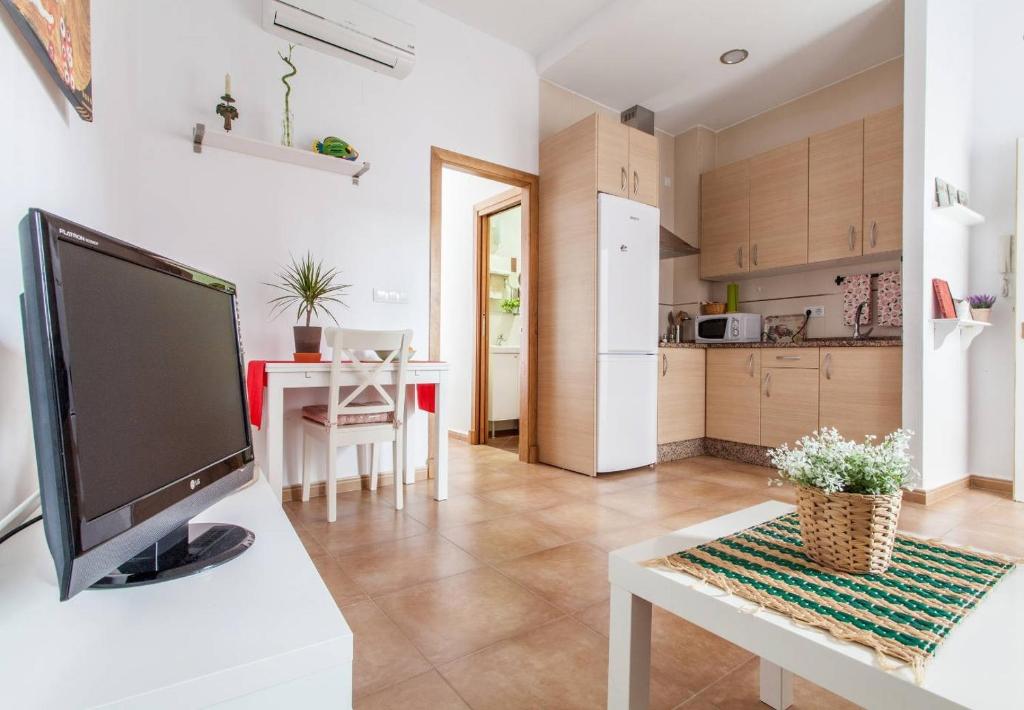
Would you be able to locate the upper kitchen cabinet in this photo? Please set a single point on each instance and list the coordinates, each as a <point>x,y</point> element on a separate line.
<point>725,220</point>
<point>627,162</point>
<point>612,157</point>
<point>778,207</point>
<point>883,181</point>
<point>836,193</point>
<point>643,167</point>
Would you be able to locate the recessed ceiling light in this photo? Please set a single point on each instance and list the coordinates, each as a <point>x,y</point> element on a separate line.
<point>734,56</point>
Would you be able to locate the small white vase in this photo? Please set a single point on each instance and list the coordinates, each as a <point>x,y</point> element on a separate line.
<point>981,314</point>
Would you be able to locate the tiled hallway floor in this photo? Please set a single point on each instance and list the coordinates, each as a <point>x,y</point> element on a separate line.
<point>498,597</point>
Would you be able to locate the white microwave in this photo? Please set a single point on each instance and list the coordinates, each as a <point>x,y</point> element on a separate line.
<point>728,328</point>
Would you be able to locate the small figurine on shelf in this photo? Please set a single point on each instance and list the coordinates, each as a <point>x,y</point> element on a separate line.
<point>336,148</point>
<point>286,122</point>
<point>224,108</point>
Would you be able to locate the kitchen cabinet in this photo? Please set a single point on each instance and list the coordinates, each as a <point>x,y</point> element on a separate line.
<point>836,193</point>
<point>502,385</point>
<point>778,207</point>
<point>734,394</point>
<point>883,181</point>
<point>789,404</point>
<point>725,220</point>
<point>627,162</point>
<point>681,384</point>
<point>860,390</point>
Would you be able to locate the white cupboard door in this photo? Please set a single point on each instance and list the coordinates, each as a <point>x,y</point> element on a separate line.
<point>627,320</point>
<point>627,411</point>
<point>503,387</point>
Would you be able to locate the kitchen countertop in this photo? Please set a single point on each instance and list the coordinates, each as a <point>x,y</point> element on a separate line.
<point>880,342</point>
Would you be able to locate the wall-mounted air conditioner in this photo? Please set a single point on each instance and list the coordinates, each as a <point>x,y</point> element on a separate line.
<point>346,29</point>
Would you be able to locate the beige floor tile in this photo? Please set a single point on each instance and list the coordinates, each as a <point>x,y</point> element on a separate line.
<point>966,503</point>
<point>457,615</point>
<point>561,665</point>
<point>364,529</point>
<point>1006,512</point>
<point>505,538</point>
<point>622,537</point>
<point>424,692</point>
<point>582,519</point>
<point>457,510</point>
<point>922,521</point>
<point>572,576</point>
<point>478,482</point>
<point>754,478</point>
<point>389,566</point>
<point>313,547</point>
<point>989,537</point>
<point>341,585</point>
<point>315,509</point>
<point>530,496</point>
<point>646,503</point>
<point>692,516</point>
<point>739,691</point>
<point>383,655</point>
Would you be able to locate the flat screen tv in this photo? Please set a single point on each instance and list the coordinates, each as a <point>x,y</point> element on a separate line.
<point>138,406</point>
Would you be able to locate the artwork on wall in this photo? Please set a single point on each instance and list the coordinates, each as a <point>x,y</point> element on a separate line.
<point>59,32</point>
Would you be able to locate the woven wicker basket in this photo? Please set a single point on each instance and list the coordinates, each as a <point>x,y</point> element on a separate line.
<point>848,531</point>
<point>712,308</point>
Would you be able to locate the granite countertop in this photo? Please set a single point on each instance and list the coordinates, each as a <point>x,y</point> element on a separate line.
<point>880,342</point>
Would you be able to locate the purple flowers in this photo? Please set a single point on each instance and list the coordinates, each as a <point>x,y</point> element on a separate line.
<point>981,300</point>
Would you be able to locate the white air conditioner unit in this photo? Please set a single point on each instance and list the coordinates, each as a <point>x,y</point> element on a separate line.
<point>346,29</point>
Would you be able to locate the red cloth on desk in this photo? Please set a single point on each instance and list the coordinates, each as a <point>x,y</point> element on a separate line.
<point>256,383</point>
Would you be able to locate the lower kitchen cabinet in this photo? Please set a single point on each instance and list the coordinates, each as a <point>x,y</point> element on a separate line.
<point>860,390</point>
<point>789,404</point>
<point>680,394</point>
<point>734,394</point>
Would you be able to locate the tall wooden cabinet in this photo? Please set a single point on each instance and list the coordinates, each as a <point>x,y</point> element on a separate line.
<point>734,394</point>
<point>883,181</point>
<point>593,155</point>
<point>835,193</point>
<point>681,386</point>
<point>860,390</point>
<point>778,207</point>
<point>725,220</point>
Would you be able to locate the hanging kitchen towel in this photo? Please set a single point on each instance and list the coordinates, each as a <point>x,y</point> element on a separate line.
<point>890,299</point>
<point>856,290</point>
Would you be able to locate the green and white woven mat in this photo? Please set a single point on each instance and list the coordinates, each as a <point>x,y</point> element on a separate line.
<point>903,614</point>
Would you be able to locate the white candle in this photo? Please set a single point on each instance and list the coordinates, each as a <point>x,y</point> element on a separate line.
<point>227,84</point>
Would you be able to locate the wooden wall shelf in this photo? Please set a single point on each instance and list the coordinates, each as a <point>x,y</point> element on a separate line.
<point>201,137</point>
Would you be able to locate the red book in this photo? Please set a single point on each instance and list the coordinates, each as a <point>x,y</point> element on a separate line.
<point>944,299</point>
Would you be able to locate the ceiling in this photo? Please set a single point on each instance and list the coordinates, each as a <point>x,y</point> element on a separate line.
<point>663,54</point>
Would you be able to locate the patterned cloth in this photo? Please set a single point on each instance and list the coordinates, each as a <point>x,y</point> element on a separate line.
<point>904,613</point>
<point>856,290</point>
<point>890,299</point>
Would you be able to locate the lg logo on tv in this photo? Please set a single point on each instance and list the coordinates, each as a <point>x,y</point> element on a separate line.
<point>194,484</point>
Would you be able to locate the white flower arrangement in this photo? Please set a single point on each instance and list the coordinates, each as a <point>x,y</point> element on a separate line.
<point>827,461</point>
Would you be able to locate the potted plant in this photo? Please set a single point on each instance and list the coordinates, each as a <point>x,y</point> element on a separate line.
<point>510,305</point>
<point>310,288</point>
<point>848,496</point>
<point>981,306</point>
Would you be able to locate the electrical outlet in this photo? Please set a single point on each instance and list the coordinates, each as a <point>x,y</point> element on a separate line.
<point>816,311</point>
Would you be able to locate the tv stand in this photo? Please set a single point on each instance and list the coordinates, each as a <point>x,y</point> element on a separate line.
<point>188,549</point>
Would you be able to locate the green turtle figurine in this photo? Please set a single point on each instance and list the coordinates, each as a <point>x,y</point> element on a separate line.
<point>336,148</point>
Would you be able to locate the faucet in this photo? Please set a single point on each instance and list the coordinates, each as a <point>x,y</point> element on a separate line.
<point>857,334</point>
<point>500,340</point>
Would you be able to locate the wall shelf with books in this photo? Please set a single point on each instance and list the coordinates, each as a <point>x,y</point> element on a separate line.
<point>968,329</point>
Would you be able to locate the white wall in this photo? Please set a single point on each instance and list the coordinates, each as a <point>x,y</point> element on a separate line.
<point>459,192</point>
<point>938,62</point>
<point>158,67</point>
<point>997,123</point>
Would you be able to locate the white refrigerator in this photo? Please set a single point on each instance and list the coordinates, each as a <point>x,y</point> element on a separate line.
<point>627,334</point>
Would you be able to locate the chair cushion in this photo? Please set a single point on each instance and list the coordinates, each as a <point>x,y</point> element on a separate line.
<point>318,413</point>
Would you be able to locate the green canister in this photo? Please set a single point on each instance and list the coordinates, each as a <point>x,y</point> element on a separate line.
<point>732,298</point>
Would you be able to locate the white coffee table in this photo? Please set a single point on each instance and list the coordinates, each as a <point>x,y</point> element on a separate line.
<point>978,666</point>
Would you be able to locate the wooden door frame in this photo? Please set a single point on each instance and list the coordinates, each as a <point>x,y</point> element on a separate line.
<point>482,212</point>
<point>530,192</point>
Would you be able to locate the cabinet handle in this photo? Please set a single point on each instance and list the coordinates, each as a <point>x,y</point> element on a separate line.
<point>636,182</point>
<point>874,234</point>
<point>787,357</point>
<point>739,256</point>
<point>828,366</point>
<point>768,384</point>
<point>750,364</point>
<point>623,178</point>
<point>753,254</point>
<point>850,236</point>
<point>664,364</point>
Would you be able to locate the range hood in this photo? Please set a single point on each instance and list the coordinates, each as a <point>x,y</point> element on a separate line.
<point>671,246</point>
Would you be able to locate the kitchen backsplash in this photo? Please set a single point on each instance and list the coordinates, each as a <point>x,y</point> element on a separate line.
<point>782,294</point>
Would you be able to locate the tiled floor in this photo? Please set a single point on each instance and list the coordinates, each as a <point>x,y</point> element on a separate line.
<point>498,597</point>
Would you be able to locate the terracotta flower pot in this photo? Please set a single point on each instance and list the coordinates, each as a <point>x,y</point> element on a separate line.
<point>307,338</point>
<point>981,314</point>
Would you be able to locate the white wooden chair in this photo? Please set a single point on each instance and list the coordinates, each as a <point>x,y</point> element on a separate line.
<point>343,421</point>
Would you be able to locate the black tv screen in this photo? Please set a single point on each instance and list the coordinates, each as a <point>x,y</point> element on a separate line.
<point>138,404</point>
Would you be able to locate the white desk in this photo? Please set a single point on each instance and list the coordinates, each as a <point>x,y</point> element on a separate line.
<point>260,631</point>
<point>978,665</point>
<point>293,375</point>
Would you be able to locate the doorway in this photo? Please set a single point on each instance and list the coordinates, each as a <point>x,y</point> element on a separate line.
<point>520,193</point>
<point>498,237</point>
